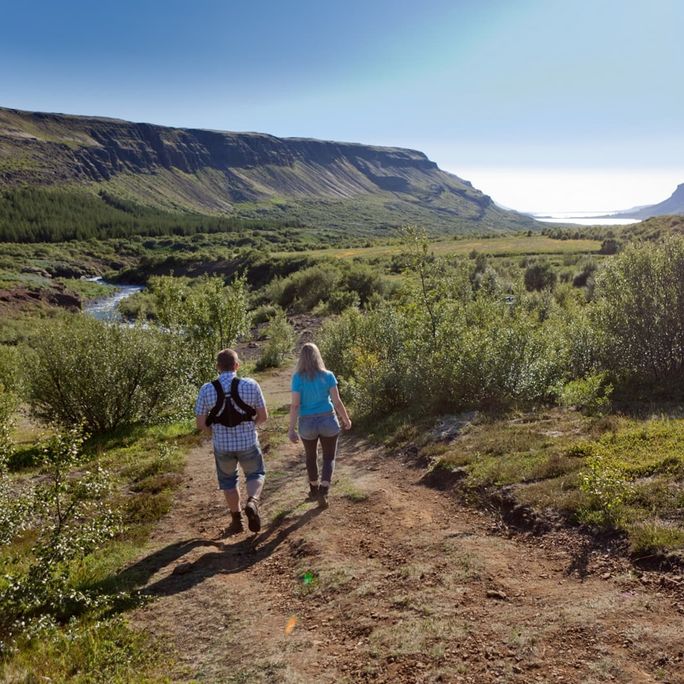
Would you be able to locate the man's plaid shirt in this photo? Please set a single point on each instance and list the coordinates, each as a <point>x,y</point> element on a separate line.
<point>242,436</point>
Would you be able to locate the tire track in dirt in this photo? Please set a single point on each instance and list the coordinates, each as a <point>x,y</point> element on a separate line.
<point>396,582</point>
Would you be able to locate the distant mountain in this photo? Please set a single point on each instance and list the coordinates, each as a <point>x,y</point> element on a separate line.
<point>673,205</point>
<point>314,183</point>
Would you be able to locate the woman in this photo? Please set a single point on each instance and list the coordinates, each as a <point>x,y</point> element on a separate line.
<point>314,394</point>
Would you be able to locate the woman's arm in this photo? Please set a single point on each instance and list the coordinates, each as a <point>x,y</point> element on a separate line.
<point>295,403</point>
<point>340,408</point>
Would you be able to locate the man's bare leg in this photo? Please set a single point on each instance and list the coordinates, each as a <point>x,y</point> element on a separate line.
<point>232,499</point>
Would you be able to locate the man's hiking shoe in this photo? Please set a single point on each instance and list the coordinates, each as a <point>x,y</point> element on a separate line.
<point>313,493</point>
<point>252,513</point>
<point>323,497</point>
<point>236,525</point>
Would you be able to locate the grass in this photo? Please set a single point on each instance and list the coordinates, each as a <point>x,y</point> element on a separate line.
<point>86,652</point>
<point>497,246</point>
<point>145,463</point>
<point>617,472</point>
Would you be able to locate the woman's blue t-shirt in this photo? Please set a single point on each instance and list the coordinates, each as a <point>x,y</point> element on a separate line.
<point>314,392</point>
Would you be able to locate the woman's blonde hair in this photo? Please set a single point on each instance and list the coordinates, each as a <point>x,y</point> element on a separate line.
<point>310,361</point>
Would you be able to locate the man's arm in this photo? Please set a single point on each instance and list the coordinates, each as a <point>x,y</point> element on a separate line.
<point>201,422</point>
<point>259,404</point>
<point>261,416</point>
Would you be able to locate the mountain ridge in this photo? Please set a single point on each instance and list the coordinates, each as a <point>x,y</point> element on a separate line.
<point>250,175</point>
<point>674,204</point>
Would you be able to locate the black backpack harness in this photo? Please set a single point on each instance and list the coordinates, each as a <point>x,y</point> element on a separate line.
<point>224,413</point>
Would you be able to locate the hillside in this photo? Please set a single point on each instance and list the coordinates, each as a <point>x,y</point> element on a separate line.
<point>244,175</point>
<point>672,205</point>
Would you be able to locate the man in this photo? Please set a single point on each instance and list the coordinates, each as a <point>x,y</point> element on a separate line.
<point>238,444</point>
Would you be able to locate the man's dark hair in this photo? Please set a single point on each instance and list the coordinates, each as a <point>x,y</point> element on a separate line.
<point>227,360</point>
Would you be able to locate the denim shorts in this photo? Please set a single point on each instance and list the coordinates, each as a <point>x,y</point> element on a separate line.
<point>251,460</point>
<point>319,425</point>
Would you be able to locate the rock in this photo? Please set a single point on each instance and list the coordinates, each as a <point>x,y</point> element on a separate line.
<point>496,594</point>
<point>450,427</point>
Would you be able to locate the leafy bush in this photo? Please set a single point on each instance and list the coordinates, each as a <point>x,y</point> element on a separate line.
<point>85,372</point>
<point>606,488</point>
<point>208,314</point>
<point>281,338</point>
<point>610,246</point>
<point>590,394</point>
<point>639,316</point>
<point>10,369</point>
<point>327,287</point>
<point>264,313</point>
<point>539,277</point>
<point>582,278</point>
<point>305,289</point>
<point>479,354</point>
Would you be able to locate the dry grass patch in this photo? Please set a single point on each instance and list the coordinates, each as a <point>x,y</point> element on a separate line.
<point>412,636</point>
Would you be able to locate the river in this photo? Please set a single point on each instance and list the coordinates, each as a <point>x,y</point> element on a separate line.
<point>105,308</point>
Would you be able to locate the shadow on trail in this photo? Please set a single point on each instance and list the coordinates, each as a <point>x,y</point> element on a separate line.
<point>139,573</point>
<point>226,560</point>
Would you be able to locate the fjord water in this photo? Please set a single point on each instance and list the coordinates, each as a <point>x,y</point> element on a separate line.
<point>584,218</point>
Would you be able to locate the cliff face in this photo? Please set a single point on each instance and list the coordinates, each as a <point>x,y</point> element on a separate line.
<point>203,170</point>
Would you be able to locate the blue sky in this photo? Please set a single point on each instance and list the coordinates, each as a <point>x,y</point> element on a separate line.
<point>543,104</point>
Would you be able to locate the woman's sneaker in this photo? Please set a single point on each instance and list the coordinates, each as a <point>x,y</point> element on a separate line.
<point>323,496</point>
<point>252,513</point>
<point>313,493</point>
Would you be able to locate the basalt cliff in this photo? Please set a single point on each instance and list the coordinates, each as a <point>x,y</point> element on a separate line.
<point>253,175</point>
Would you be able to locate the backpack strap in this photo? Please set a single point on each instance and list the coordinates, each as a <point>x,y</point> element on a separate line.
<point>220,398</point>
<point>250,411</point>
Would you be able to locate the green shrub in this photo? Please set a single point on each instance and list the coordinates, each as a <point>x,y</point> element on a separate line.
<point>10,369</point>
<point>341,300</point>
<point>85,372</point>
<point>207,314</point>
<point>264,313</point>
<point>606,487</point>
<point>590,394</point>
<point>639,301</point>
<point>539,277</point>
<point>280,340</point>
<point>303,290</point>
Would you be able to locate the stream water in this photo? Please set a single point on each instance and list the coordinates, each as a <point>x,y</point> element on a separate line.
<point>105,308</point>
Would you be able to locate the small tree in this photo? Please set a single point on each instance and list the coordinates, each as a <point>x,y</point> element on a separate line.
<point>71,517</point>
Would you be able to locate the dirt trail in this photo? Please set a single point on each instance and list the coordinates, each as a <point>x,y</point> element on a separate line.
<point>395,582</point>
